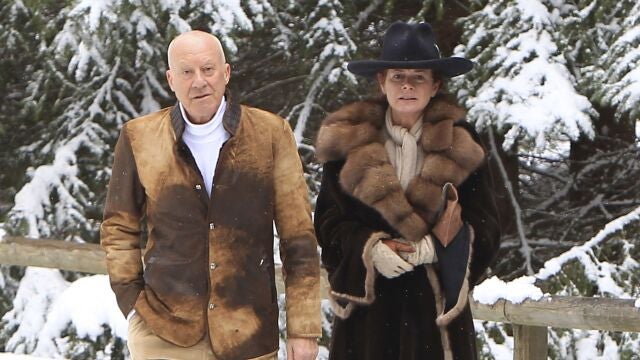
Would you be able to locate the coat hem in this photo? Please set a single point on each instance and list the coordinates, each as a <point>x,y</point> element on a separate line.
<point>369,283</point>
<point>444,319</point>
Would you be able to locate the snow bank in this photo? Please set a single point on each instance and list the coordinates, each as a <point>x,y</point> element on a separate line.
<point>87,303</point>
<point>516,291</point>
<point>38,289</point>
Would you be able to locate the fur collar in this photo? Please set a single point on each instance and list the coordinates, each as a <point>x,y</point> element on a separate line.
<point>355,134</point>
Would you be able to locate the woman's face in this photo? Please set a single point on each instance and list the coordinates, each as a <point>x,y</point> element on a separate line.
<point>408,91</point>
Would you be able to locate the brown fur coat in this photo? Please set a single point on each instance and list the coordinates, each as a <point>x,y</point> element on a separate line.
<point>361,198</point>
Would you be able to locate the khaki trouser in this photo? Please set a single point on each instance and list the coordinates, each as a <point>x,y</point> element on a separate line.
<point>143,344</point>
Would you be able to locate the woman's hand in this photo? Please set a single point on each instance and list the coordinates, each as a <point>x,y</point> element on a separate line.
<point>399,245</point>
<point>386,260</point>
<point>424,252</point>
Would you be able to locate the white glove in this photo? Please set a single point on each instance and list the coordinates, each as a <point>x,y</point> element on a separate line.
<point>424,253</point>
<point>387,262</point>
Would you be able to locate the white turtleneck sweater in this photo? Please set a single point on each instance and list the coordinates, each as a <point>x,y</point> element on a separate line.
<point>205,141</point>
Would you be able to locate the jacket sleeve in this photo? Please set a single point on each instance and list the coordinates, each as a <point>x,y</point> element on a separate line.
<point>301,265</point>
<point>345,241</point>
<point>121,226</point>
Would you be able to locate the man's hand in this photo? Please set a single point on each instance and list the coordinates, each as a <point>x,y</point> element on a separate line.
<point>302,349</point>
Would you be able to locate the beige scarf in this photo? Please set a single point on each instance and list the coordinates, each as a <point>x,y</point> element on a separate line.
<point>402,146</point>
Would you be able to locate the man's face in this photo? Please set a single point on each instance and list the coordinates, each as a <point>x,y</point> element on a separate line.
<point>198,74</point>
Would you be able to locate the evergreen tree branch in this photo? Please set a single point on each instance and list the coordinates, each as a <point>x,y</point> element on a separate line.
<point>525,249</point>
<point>272,85</point>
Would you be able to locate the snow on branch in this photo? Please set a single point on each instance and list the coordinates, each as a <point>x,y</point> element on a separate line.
<point>553,266</point>
<point>33,201</point>
<point>309,100</point>
<point>328,29</point>
<point>524,83</point>
<point>516,291</point>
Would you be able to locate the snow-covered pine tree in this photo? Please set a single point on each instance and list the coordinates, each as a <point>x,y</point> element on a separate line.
<point>13,15</point>
<point>543,69</point>
<point>329,44</point>
<point>601,44</point>
<point>23,31</point>
<point>91,60</point>
<point>621,81</point>
<point>521,91</point>
<point>621,78</point>
<point>597,40</point>
<point>605,53</point>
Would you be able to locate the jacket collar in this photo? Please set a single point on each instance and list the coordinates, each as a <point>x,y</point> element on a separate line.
<point>230,119</point>
<point>354,134</point>
<point>361,123</point>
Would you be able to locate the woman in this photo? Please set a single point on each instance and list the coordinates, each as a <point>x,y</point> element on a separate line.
<point>405,219</point>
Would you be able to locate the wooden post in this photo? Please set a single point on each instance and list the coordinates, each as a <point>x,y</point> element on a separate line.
<point>530,342</point>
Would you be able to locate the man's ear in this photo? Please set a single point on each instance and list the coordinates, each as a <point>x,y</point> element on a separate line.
<point>170,79</point>
<point>227,73</point>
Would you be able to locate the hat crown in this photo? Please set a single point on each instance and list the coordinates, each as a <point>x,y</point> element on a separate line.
<point>410,46</point>
<point>409,42</point>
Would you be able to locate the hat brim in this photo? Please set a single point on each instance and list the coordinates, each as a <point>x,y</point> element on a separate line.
<point>449,67</point>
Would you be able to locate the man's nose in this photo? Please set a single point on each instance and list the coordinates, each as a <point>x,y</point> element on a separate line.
<point>198,80</point>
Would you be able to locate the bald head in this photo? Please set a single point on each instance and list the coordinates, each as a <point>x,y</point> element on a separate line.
<point>191,39</point>
<point>198,74</point>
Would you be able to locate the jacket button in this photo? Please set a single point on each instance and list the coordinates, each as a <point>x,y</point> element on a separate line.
<point>213,266</point>
<point>212,306</point>
<point>198,187</point>
<point>212,226</point>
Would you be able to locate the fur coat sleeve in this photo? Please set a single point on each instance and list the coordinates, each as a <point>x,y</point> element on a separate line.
<point>341,234</point>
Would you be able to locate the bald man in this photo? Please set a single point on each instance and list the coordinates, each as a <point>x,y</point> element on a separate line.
<point>209,177</point>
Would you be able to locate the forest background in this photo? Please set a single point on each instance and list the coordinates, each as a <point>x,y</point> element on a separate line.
<point>554,94</point>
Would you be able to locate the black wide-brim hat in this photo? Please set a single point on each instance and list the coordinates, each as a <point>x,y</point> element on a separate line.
<point>410,46</point>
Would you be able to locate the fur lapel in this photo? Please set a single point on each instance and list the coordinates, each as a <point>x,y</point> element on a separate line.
<point>355,134</point>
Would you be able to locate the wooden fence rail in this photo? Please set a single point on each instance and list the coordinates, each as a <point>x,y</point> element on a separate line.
<point>530,319</point>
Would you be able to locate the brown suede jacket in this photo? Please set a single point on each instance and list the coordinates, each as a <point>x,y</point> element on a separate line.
<point>207,264</point>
